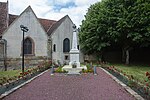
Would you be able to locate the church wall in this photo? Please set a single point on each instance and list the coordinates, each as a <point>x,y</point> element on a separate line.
<point>13,35</point>
<point>65,30</point>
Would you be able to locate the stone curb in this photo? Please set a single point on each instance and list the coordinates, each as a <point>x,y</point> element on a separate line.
<point>15,88</point>
<point>128,89</point>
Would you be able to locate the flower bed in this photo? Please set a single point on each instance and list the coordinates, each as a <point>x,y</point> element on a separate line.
<point>142,88</point>
<point>9,83</point>
<point>89,70</point>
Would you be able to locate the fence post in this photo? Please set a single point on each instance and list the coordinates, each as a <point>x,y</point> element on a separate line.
<point>95,73</point>
<point>52,70</point>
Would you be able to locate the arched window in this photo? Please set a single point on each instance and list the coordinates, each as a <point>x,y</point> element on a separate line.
<point>54,47</point>
<point>28,46</point>
<point>66,45</point>
<point>78,47</point>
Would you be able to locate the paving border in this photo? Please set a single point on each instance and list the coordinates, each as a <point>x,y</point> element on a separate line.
<point>17,87</point>
<point>128,89</point>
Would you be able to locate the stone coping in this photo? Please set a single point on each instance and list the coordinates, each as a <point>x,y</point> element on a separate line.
<point>128,89</point>
<point>19,86</point>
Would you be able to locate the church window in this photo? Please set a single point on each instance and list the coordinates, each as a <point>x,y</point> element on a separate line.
<point>28,46</point>
<point>66,57</point>
<point>78,47</point>
<point>66,45</point>
<point>54,47</point>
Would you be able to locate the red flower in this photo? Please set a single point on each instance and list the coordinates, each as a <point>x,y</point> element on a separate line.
<point>147,74</point>
<point>19,76</point>
<point>144,88</point>
<point>21,73</point>
<point>147,84</point>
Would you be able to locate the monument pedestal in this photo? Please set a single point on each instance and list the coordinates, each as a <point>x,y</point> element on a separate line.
<point>73,71</point>
<point>74,57</point>
<point>74,64</point>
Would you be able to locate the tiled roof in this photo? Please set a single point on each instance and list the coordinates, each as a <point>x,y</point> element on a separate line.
<point>44,22</point>
<point>12,18</point>
<point>56,25</point>
<point>49,25</point>
<point>3,16</point>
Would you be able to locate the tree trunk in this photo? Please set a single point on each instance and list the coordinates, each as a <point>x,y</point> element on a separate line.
<point>123,55</point>
<point>127,57</point>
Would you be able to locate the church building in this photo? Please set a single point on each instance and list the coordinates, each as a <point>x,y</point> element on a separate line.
<point>45,39</point>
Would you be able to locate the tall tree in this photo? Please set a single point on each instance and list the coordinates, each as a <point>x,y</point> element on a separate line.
<point>133,23</point>
<point>92,35</point>
<point>125,22</point>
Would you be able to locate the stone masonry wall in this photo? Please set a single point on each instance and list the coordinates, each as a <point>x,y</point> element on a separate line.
<point>16,63</point>
<point>3,16</point>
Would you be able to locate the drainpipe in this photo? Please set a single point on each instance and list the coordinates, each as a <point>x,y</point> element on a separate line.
<point>5,54</point>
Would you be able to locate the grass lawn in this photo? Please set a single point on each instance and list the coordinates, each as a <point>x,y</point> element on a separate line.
<point>138,71</point>
<point>9,73</point>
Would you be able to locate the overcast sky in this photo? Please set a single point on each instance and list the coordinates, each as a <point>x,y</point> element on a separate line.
<point>53,9</point>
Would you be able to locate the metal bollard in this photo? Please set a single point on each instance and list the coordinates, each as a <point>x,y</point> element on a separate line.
<point>52,70</point>
<point>95,73</point>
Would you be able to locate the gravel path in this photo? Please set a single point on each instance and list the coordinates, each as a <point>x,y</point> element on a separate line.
<point>61,87</point>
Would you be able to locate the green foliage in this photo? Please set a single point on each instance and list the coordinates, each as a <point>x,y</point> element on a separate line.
<point>122,22</point>
<point>138,71</point>
<point>9,73</point>
<point>47,64</point>
<point>89,69</point>
<point>59,70</point>
<point>92,34</point>
<point>88,66</point>
<point>6,76</point>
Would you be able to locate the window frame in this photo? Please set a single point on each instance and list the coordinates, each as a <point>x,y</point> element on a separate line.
<point>66,45</point>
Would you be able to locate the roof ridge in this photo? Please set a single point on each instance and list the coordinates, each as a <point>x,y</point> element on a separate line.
<point>46,23</point>
<point>56,25</point>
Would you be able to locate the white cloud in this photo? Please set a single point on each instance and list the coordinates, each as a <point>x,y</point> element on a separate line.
<point>85,2</point>
<point>61,2</point>
<point>45,8</point>
<point>3,0</point>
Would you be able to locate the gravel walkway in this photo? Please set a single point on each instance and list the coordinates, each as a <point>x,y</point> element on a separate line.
<point>61,87</point>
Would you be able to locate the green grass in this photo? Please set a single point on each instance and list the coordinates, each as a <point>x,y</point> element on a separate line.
<point>10,73</point>
<point>138,71</point>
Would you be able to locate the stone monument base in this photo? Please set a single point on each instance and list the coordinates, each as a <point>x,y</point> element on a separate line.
<point>77,64</point>
<point>73,71</point>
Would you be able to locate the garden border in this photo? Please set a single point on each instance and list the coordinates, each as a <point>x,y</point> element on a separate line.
<point>21,85</point>
<point>128,89</point>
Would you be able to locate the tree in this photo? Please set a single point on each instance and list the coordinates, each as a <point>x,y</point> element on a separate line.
<point>122,22</point>
<point>133,23</point>
<point>92,32</point>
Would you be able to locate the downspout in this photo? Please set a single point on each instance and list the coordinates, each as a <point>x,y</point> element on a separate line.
<point>50,48</point>
<point>5,54</point>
